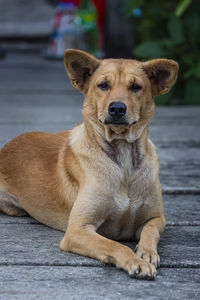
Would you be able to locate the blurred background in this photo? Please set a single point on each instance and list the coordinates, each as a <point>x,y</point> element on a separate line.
<point>106,28</point>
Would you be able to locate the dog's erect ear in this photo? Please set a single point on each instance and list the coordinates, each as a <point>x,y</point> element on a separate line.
<point>80,66</point>
<point>162,74</point>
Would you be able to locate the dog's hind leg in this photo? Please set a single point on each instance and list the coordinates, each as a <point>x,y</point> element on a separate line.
<point>9,204</point>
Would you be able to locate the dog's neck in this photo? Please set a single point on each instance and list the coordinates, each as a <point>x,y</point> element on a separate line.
<point>118,149</point>
<point>114,149</point>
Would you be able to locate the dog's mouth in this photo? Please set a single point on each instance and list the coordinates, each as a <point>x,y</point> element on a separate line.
<point>117,129</point>
<point>117,123</point>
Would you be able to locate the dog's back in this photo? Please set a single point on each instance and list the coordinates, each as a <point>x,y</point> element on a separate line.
<point>33,178</point>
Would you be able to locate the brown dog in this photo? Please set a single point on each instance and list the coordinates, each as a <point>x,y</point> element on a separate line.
<point>100,180</point>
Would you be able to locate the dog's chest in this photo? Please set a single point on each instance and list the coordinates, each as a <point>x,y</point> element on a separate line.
<point>127,196</point>
<point>122,221</point>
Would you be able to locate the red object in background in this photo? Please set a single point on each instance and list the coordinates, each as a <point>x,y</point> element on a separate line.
<point>100,6</point>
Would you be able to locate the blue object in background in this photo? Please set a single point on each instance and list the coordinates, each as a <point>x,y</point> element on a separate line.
<point>137,12</point>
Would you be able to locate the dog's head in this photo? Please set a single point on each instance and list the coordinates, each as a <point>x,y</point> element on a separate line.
<point>119,92</point>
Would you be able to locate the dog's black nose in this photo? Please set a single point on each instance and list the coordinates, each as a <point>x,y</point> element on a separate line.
<point>117,110</point>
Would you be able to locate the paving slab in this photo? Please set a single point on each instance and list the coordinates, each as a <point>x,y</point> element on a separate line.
<point>40,282</point>
<point>179,247</point>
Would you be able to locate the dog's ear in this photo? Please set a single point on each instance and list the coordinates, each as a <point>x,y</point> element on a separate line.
<point>162,74</point>
<point>80,66</point>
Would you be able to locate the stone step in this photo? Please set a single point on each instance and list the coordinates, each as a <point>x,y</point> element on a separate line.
<point>44,282</point>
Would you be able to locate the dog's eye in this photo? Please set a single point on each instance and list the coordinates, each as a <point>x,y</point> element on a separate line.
<point>103,86</point>
<point>135,87</point>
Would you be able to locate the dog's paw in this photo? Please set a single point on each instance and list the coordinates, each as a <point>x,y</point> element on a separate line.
<point>148,255</point>
<point>139,269</point>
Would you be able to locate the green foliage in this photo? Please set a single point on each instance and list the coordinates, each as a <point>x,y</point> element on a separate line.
<point>182,6</point>
<point>175,30</point>
<point>171,29</point>
<point>193,92</point>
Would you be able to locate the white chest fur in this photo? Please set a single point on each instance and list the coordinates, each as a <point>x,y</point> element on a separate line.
<point>129,196</point>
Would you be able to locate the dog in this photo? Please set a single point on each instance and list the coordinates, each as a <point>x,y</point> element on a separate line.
<point>98,182</point>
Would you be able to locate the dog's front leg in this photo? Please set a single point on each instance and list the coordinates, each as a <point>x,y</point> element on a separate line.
<point>89,211</point>
<point>148,235</point>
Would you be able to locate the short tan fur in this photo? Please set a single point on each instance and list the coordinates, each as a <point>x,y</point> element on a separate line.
<point>98,182</point>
